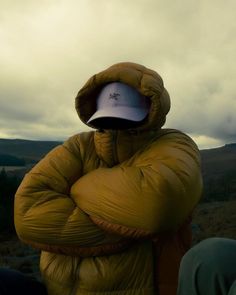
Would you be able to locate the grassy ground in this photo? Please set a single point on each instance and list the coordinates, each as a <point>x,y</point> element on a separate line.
<point>16,255</point>
<point>217,219</point>
<point>209,220</point>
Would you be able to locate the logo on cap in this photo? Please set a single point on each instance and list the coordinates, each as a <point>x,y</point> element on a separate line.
<point>114,95</point>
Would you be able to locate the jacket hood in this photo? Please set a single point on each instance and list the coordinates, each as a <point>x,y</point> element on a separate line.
<point>146,81</point>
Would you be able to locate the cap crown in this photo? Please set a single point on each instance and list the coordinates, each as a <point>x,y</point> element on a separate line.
<point>118,94</point>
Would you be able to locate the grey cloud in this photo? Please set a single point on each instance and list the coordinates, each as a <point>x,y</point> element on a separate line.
<point>49,50</point>
<point>208,110</point>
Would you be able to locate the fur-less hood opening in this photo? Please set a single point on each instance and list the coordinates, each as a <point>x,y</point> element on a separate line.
<point>146,81</point>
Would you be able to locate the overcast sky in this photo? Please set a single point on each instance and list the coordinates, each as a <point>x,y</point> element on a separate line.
<point>49,49</point>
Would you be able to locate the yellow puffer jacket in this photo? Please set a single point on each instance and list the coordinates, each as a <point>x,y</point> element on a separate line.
<point>110,209</point>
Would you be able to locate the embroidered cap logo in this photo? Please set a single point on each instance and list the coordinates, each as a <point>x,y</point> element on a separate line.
<point>114,95</point>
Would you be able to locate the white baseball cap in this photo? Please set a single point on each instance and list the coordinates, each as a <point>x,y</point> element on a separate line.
<point>119,100</point>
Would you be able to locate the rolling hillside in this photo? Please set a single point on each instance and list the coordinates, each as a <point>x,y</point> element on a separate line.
<point>214,161</point>
<point>220,160</point>
<point>219,172</point>
<point>30,150</point>
<point>218,164</point>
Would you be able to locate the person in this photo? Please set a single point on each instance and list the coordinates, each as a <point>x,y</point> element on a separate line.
<point>209,268</point>
<point>110,209</point>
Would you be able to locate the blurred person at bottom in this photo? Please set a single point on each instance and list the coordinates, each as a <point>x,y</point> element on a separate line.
<point>209,268</point>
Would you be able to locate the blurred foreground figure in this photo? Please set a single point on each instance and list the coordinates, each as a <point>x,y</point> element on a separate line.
<point>110,208</point>
<point>209,268</point>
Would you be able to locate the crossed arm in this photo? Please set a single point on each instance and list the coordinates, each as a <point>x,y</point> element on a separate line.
<point>152,192</point>
<point>60,210</point>
<point>47,218</point>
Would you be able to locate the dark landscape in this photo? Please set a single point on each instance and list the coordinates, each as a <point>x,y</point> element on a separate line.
<point>214,216</point>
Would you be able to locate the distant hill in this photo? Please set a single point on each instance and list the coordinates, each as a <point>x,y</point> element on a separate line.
<point>220,160</point>
<point>219,172</point>
<point>9,160</point>
<point>218,164</point>
<point>29,150</point>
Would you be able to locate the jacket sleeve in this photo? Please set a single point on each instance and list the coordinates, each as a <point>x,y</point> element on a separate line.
<point>47,218</point>
<point>152,192</point>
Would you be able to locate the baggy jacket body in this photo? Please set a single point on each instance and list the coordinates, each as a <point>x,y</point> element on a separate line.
<point>110,208</point>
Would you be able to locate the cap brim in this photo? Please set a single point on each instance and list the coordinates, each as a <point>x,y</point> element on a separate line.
<point>127,113</point>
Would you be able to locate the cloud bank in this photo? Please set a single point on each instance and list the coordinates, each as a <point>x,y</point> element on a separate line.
<point>50,48</point>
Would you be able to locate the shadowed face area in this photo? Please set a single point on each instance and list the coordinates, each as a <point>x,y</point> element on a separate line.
<point>116,123</point>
